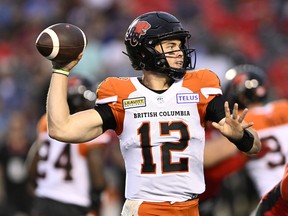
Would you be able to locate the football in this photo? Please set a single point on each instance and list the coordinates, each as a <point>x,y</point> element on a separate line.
<point>61,42</point>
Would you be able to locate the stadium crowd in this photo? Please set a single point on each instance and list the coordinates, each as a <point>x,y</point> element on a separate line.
<point>224,33</point>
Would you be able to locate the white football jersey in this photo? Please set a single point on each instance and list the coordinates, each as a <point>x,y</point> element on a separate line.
<point>267,167</point>
<point>62,171</point>
<point>161,135</point>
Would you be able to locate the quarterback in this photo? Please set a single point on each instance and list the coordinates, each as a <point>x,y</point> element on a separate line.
<point>159,117</point>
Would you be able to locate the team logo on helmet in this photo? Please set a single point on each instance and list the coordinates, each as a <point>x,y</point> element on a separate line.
<point>136,30</point>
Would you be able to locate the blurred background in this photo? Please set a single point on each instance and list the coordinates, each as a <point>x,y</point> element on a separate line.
<point>224,33</point>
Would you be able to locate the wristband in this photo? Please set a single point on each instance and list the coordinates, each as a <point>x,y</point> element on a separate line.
<point>61,71</point>
<point>245,143</point>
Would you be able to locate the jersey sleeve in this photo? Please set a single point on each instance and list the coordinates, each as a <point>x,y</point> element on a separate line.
<point>106,92</point>
<point>211,82</point>
<point>113,91</point>
<point>207,84</point>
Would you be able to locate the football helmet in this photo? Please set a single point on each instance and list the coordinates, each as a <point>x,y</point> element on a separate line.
<point>246,84</point>
<point>80,96</point>
<point>148,30</point>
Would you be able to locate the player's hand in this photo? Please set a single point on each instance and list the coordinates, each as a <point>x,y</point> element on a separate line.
<point>67,66</point>
<point>233,125</point>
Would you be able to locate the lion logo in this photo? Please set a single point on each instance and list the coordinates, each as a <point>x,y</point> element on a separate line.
<point>135,31</point>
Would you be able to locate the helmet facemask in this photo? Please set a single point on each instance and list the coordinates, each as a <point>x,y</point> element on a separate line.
<point>160,61</point>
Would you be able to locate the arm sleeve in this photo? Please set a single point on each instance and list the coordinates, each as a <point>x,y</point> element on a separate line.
<point>215,109</point>
<point>107,116</point>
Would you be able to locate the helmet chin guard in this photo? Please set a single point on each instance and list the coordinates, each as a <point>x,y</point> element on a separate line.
<point>161,65</point>
<point>148,30</point>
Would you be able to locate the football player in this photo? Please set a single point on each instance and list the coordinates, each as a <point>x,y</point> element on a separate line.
<point>248,86</point>
<point>159,117</point>
<point>68,178</point>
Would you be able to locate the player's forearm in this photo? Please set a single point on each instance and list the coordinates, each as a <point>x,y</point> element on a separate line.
<point>57,106</point>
